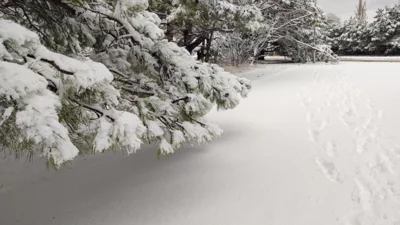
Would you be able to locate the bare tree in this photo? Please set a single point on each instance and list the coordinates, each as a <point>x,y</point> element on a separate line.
<point>361,11</point>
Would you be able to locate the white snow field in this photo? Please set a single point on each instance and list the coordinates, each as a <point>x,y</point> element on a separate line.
<point>312,145</point>
<point>370,58</point>
<point>343,59</point>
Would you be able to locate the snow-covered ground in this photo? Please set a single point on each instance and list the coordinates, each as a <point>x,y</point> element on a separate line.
<point>312,145</point>
<point>345,58</point>
<point>370,58</point>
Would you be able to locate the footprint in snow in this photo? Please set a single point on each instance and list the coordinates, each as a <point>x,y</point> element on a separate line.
<point>364,195</point>
<point>323,125</point>
<point>305,101</point>
<point>361,144</point>
<point>329,170</point>
<point>330,148</point>
<point>328,104</point>
<point>395,150</point>
<point>313,135</point>
<point>387,164</point>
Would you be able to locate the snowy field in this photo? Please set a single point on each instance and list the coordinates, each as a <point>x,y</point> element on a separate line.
<point>370,58</point>
<point>344,58</point>
<point>312,145</point>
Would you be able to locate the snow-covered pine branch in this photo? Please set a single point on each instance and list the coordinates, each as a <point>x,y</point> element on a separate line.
<point>136,87</point>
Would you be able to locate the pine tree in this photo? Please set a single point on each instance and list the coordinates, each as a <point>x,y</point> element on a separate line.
<point>385,32</point>
<point>381,37</point>
<point>300,32</point>
<point>193,24</point>
<point>288,27</point>
<point>90,76</point>
<point>351,38</point>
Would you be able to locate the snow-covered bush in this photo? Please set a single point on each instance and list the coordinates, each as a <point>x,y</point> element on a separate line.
<point>108,81</point>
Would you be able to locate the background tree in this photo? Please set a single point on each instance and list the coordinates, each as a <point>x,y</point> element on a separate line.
<point>193,23</point>
<point>288,28</point>
<point>385,32</point>
<point>332,18</point>
<point>351,38</point>
<point>361,11</point>
<point>299,29</point>
<point>381,37</point>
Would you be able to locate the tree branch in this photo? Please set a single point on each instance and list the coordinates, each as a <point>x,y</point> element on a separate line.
<point>51,62</point>
<point>180,99</point>
<point>147,93</point>
<point>94,109</point>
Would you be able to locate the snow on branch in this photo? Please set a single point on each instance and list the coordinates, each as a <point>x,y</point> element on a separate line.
<point>37,109</point>
<point>160,93</point>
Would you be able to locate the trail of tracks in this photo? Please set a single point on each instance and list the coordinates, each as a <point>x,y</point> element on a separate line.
<point>370,163</point>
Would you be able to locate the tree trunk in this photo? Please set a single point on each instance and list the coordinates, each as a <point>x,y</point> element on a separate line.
<point>169,33</point>
<point>191,46</point>
<point>187,34</point>
<point>208,47</point>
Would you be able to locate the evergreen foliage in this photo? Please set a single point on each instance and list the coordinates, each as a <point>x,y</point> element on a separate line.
<point>98,75</point>
<point>381,37</point>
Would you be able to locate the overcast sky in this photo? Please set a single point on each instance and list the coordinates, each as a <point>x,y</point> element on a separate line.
<point>345,8</point>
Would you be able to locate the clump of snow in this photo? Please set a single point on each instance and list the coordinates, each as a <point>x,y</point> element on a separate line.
<point>177,138</point>
<point>125,131</point>
<point>85,74</point>
<point>197,105</point>
<point>153,129</point>
<point>38,121</point>
<point>17,81</point>
<point>128,129</point>
<point>166,147</point>
<point>198,132</point>
<point>103,139</point>
<point>20,36</point>
<point>147,23</point>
